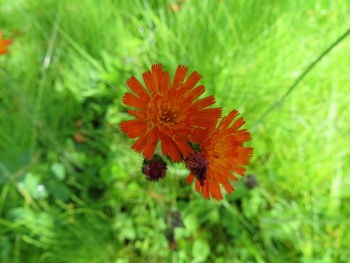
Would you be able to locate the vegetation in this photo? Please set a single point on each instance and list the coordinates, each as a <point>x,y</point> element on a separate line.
<point>71,189</point>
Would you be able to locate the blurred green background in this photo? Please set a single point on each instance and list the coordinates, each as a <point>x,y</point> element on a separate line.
<point>71,190</point>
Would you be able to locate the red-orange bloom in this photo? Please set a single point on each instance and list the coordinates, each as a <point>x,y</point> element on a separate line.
<point>3,44</point>
<point>168,112</point>
<point>222,153</point>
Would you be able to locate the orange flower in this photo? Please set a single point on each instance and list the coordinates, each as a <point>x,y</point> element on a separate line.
<point>3,44</point>
<point>222,152</point>
<point>168,112</point>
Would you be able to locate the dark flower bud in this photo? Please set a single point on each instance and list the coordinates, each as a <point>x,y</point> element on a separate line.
<point>198,166</point>
<point>251,181</point>
<point>154,169</point>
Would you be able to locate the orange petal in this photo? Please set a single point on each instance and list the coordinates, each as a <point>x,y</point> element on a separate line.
<point>196,92</point>
<point>245,154</point>
<point>136,113</point>
<point>239,170</point>
<point>205,102</point>
<point>157,71</point>
<point>238,123</point>
<point>164,83</point>
<point>169,148</point>
<point>226,121</point>
<point>198,186</point>
<point>140,144</point>
<point>205,191</point>
<point>150,147</point>
<point>207,117</point>
<point>190,178</point>
<point>242,136</point>
<point>232,177</point>
<point>133,128</point>
<point>179,77</point>
<point>149,81</point>
<point>215,190</point>
<point>228,187</point>
<point>137,87</point>
<point>133,101</point>
<point>192,80</point>
<point>183,146</point>
<point>199,135</point>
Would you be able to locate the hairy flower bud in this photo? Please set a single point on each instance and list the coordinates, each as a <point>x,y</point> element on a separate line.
<point>154,169</point>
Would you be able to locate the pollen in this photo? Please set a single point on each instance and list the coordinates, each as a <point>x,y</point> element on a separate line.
<point>168,117</point>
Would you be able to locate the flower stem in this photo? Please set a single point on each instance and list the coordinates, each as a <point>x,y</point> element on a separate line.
<point>280,101</point>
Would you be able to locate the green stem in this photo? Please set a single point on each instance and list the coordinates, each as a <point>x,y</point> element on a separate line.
<point>301,77</point>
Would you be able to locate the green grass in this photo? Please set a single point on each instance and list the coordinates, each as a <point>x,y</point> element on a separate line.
<point>64,201</point>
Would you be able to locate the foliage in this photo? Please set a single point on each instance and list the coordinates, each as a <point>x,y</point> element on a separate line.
<point>71,190</point>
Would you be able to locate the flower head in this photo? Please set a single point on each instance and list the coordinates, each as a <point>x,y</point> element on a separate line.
<point>3,44</point>
<point>222,153</point>
<point>168,112</point>
<point>198,166</point>
<point>154,169</point>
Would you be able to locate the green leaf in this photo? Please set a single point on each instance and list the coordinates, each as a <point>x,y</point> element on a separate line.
<point>191,223</point>
<point>33,187</point>
<point>60,191</point>
<point>200,250</point>
<point>59,171</point>
<point>19,213</point>
<point>40,192</point>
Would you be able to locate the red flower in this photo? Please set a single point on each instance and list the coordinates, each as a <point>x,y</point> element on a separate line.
<point>222,153</point>
<point>168,112</point>
<point>3,44</point>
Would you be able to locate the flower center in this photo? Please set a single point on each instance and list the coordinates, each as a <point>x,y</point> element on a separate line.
<point>168,117</point>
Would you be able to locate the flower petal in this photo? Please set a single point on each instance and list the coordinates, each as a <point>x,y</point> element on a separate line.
<point>229,188</point>
<point>207,117</point>
<point>237,124</point>
<point>133,128</point>
<point>140,144</point>
<point>215,190</point>
<point>149,81</point>
<point>179,77</point>
<point>183,146</point>
<point>192,80</point>
<point>205,102</point>
<point>189,178</point>
<point>137,87</point>
<point>169,148</point>
<point>226,121</point>
<point>151,145</point>
<point>196,92</point>
<point>133,101</point>
<point>205,191</point>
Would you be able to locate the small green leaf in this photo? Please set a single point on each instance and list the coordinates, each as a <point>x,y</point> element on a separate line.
<point>200,250</point>
<point>60,191</point>
<point>19,213</point>
<point>59,171</point>
<point>30,182</point>
<point>191,223</point>
<point>32,185</point>
<point>39,192</point>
